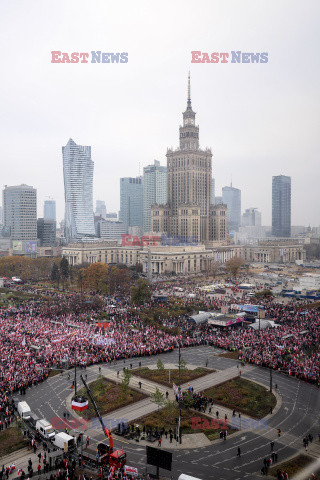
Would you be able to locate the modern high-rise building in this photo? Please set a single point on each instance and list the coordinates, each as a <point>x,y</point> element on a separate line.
<point>131,202</point>
<point>251,218</point>
<point>46,232</point>
<point>232,198</point>
<point>78,184</point>
<point>20,212</point>
<point>101,209</point>
<point>189,208</point>
<point>154,190</point>
<point>49,210</point>
<point>281,206</point>
<point>110,230</point>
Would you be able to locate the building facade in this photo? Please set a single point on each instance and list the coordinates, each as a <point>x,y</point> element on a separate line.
<point>154,190</point>
<point>46,232</point>
<point>131,202</point>
<point>187,212</point>
<point>251,218</point>
<point>20,212</point>
<point>78,185</point>
<point>101,209</point>
<point>49,210</point>
<point>110,230</point>
<point>180,259</point>
<point>213,191</point>
<point>281,206</point>
<point>232,198</point>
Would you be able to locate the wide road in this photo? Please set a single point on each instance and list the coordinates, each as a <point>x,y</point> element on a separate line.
<point>297,416</point>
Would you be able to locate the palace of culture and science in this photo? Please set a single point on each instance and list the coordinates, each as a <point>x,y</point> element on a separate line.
<point>188,212</point>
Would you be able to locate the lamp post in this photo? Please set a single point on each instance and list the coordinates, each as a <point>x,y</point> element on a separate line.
<point>179,398</point>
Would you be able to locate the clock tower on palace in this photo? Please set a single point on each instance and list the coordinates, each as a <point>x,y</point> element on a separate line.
<point>189,132</point>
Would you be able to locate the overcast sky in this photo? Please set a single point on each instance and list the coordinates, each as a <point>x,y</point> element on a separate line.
<point>259,119</point>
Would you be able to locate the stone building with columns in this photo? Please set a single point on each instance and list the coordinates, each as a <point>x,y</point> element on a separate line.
<point>180,259</point>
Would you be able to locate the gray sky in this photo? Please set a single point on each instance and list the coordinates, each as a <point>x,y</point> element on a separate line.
<point>259,119</point>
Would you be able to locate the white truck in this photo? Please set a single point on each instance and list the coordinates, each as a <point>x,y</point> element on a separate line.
<point>45,429</point>
<point>64,441</point>
<point>24,410</point>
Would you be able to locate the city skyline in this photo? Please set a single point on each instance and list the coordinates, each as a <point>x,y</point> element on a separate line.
<point>260,120</point>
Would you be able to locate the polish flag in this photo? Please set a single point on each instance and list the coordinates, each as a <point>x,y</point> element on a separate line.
<point>79,403</point>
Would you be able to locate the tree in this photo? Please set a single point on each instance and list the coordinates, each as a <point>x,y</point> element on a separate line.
<point>64,270</point>
<point>233,265</point>
<point>212,268</point>
<point>55,274</point>
<point>160,365</point>
<point>187,399</point>
<point>158,398</point>
<point>125,382</point>
<point>95,277</point>
<point>140,293</point>
<point>183,364</point>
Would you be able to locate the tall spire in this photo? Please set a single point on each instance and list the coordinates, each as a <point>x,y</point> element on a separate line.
<point>189,94</point>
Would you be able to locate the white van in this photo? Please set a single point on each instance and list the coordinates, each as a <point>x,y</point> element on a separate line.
<point>64,441</point>
<point>45,428</point>
<point>24,410</point>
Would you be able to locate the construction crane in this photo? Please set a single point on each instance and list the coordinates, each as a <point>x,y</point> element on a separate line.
<point>117,458</point>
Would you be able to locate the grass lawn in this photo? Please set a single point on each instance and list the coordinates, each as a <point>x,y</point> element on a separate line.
<point>108,397</point>
<point>234,354</point>
<point>292,466</point>
<point>54,372</point>
<point>10,441</point>
<point>162,376</point>
<point>191,421</point>
<point>245,396</point>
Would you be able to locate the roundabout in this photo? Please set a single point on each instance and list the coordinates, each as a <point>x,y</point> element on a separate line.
<point>295,415</point>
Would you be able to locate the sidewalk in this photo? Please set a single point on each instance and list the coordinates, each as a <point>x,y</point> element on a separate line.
<point>20,458</point>
<point>144,407</point>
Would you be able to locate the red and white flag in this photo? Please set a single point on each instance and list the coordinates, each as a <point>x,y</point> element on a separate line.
<point>79,403</point>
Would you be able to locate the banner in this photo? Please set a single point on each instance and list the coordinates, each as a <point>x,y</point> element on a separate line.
<point>17,246</point>
<point>130,470</point>
<point>102,341</point>
<point>31,247</point>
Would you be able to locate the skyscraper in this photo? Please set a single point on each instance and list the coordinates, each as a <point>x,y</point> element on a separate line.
<point>46,232</point>
<point>101,208</point>
<point>131,202</point>
<point>281,206</point>
<point>189,180</point>
<point>251,218</point>
<point>213,191</point>
<point>232,198</point>
<point>49,210</point>
<point>154,190</point>
<point>20,212</point>
<point>78,180</point>
<point>189,211</point>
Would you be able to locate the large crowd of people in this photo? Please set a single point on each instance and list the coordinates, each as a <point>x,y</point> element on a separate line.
<point>34,338</point>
